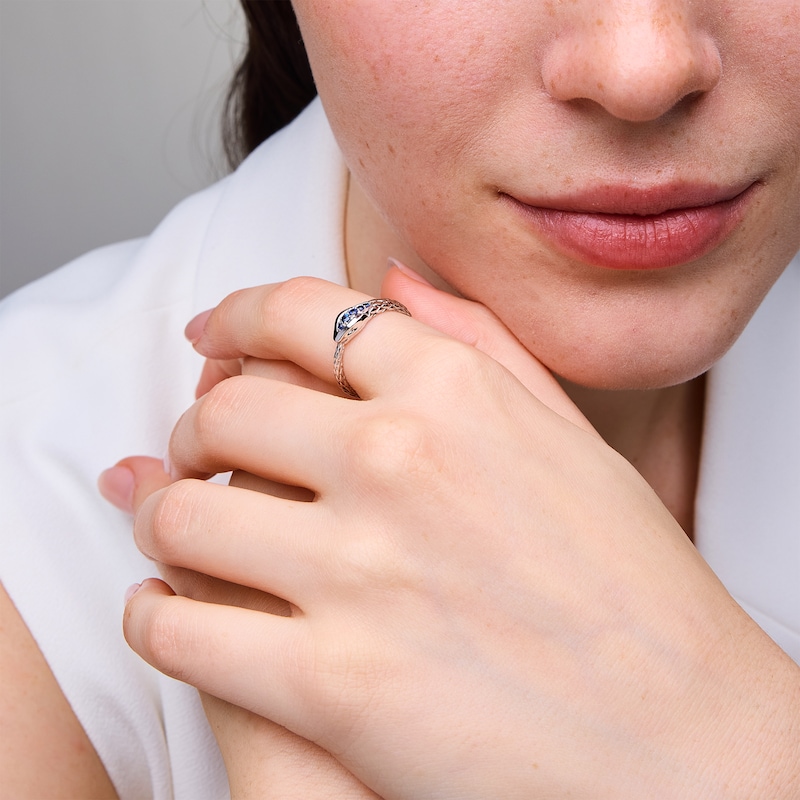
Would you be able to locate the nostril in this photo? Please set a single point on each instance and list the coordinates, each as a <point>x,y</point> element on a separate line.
<point>694,95</point>
<point>636,69</point>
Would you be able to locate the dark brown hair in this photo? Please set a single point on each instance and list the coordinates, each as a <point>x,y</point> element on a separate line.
<point>273,82</point>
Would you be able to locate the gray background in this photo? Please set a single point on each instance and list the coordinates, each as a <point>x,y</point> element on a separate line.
<point>109,114</point>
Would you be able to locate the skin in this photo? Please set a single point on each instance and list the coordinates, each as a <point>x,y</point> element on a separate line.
<point>39,726</point>
<point>470,633</point>
<point>550,98</point>
<point>260,756</point>
<point>545,98</point>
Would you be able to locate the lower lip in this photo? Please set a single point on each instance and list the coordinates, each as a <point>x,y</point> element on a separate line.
<point>630,242</point>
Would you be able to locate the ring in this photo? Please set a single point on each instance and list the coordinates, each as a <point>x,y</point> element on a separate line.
<point>348,324</point>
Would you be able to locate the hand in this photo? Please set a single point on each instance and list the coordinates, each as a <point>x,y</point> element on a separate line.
<point>489,601</point>
<point>468,322</point>
<point>262,759</point>
<point>260,755</point>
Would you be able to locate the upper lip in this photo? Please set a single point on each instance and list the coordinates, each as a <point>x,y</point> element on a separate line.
<point>636,200</point>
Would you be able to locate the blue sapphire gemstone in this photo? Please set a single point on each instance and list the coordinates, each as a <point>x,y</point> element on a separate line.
<point>347,319</point>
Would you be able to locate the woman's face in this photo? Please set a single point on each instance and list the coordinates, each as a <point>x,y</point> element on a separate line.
<point>619,180</point>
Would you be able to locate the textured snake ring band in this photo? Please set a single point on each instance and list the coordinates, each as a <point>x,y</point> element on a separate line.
<point>348,324</point>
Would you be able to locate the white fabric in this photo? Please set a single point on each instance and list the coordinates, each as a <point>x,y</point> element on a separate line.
<point>747,512</point>
<point>96,368</point>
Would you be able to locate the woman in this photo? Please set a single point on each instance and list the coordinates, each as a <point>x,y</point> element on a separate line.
<point>487,600</point>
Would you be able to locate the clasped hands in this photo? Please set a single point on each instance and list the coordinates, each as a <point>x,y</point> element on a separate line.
<point>453,588</point>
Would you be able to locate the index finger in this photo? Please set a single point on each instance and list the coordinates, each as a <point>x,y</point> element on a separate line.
<point>294,321</point>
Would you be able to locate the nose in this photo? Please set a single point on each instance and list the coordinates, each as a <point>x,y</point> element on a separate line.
<point>637,59</point>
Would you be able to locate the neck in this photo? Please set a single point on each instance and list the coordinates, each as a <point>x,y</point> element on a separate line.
<point>659,431</point>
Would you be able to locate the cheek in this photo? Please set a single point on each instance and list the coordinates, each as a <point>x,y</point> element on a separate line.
<point>426,100</point>
<point>760,50</point>
<point>409,87</point>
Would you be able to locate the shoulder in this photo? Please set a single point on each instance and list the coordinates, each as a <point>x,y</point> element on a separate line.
<point>37,719</point>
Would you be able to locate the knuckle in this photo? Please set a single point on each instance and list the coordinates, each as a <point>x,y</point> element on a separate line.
<point>451,368</point>
<point>279,303</point>
<point>284,298</point>
<point>462,364</point>
<point>222,403</point>
<point>392,447</point>
<point>214,407</point>
<point>159,637</point>
<point>228,308</point>
<point>163,641</point>
<point>224,326</point>
<point>162,533</point>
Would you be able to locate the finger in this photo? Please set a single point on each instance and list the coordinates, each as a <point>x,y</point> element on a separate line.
<point>215,371</point>
<point>280,547</point>
<point>199,586</point>
<point>477,326</point>
<point>214,648</point>
<point>246,480</point>
<point>286,372</point>
<point>207,589</point>
<point>132,480</point>
<point>294,321</point>
<point>278,431</point>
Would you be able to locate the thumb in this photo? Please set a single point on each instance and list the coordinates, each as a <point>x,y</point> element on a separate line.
<point>476,325</point>
<point>131,481</point>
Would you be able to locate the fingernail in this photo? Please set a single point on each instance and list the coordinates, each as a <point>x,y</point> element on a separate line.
<point>194,330</point>
<point>131,591</point>
<point>393,262</point>
<point>116,485</point>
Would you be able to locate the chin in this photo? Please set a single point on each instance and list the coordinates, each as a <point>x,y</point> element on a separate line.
<point>623,383</point>
<point>633,370</point>
<point>641,341</point>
